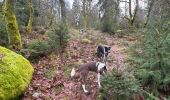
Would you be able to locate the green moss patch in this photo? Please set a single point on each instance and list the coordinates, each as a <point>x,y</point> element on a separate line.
<point>86,41</point>
<point>15,74</point>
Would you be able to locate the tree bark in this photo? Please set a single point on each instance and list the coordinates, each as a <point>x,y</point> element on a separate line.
<point>132,18</point>
<point>29,25</point>
<point>12,25</point>
<point>117,11</point>
<point>63,11</point>
<point>135,13</point>
<point>84,15</point>
<point>51,17</point>
<point>149,12</point>
<point>1,7</point>
<point>130,9</point>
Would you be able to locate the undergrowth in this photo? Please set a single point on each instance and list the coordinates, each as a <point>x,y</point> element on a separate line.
<point>152,57</point>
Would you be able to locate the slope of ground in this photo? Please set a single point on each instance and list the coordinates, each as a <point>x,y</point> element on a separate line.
<point>51,79</point>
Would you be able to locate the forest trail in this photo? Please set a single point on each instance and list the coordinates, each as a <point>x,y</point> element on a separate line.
<point>51,80</point>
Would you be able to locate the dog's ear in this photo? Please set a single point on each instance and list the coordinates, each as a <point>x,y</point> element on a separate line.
<point>109,48</point>
<point>105,68</point>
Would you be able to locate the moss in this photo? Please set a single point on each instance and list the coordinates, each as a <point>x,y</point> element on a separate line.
<point>29,26</point>
<point>1,4</point>
<point>87,41</point>
<point>15,74</point>
<point>11,24</point>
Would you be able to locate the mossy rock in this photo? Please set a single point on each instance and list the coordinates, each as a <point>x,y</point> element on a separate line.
<point>15,74</point>
<point>86,41</point>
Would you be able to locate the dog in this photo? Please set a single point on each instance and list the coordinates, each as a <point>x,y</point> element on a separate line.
<point>102,52</point>
<point>82,72</point>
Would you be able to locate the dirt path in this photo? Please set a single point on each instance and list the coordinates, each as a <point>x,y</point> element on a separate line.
<point>52,81</point>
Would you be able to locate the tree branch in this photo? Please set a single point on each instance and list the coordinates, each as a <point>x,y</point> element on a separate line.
<point>124,1</point>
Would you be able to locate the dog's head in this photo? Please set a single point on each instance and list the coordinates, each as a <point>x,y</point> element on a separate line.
<point>107,49</point>
<point>103,70</point>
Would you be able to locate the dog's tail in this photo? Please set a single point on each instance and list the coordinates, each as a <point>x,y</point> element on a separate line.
<point>73,72</point>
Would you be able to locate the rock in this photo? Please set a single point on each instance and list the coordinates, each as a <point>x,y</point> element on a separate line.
<point>15,74</point>
<point>36,95</point>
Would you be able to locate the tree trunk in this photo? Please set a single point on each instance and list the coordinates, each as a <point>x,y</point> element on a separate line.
<point>135,13</point>
<point>84,15</point>
<point>51,17</point>
<point>132,18</point>
<point>149,12</point>
<point>130,10</point>
<point>88,10</point>
<point>63,11</point>
<point>12,25</point>
<point>0,7</point>
<point>117,11</point>
<point>29,25</point>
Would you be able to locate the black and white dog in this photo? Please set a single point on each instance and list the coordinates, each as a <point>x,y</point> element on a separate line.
<point>84,69</point>
<point>102,52</point>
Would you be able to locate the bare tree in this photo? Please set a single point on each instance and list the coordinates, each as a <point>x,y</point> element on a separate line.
<point>132,17</point>
<point>76,13</point>
<point>84,14</point>
<point>135,13</point>
<point>117,10</point>
<point>150,5</point>
<point>63,10</point>
<point>107,8</point>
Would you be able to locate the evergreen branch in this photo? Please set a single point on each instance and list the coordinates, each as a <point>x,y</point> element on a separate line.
<point>150,95</point>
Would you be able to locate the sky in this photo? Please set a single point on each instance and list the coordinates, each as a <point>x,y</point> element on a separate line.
<point>122,5</point>
<point>71,2</point>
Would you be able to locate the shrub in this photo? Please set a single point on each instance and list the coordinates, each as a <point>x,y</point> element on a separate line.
<point>57,36</point>
<point>118,87</point>
<point>149,78</point>
<point>37,48</point>
<point>39,29</point>
<point>152,58</point>
<point>107,26</point>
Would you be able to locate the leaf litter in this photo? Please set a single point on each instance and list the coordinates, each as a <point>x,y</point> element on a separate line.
<point>51,80</point>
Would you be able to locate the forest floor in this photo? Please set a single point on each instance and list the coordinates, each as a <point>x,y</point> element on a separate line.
<point>51,79</point>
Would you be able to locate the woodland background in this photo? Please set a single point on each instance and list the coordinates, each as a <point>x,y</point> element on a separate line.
<point>55,37</point>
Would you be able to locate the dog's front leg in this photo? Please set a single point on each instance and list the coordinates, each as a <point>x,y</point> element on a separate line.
<point>98,79</point>
<point>84,88</point>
